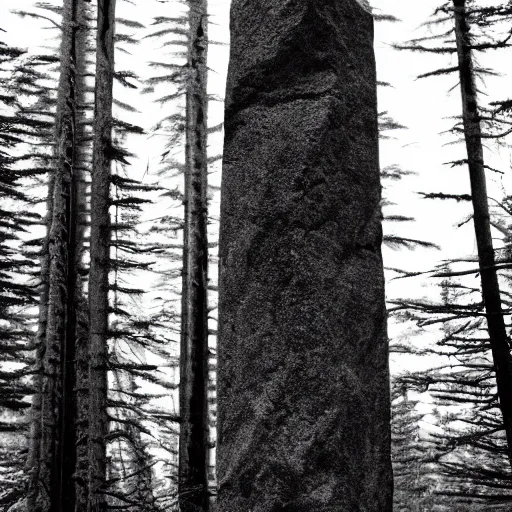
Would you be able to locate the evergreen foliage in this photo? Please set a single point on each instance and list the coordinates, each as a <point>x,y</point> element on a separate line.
<point>449,448</point>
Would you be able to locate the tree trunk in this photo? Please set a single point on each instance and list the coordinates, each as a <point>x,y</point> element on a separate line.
<point>82,406</point>
<point>100,255</point>
<point>303,381</point>
<point>34,445</point>
<point>490,287</point>
<point>193,444</point>
<point>56,489</point>
<point>81,391</point>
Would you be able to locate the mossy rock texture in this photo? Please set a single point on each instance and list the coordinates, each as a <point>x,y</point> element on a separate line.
<point>303,384</point>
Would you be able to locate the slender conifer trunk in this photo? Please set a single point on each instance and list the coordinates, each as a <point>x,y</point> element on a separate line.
<point>34,448</point>
<point>490,287</point>
<point>100,255</point>
<point>81,391</point>
<point>82,406</point>
<point>193,446</point>
<point>55,484</point>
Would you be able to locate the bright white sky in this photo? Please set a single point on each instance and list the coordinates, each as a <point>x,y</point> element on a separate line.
<point>423,106</point>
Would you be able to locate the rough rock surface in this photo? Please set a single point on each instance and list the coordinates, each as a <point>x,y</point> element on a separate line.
<point>303,359</point>
<point>365,5</point>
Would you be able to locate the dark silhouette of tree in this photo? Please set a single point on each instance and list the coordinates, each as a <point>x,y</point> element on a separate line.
<point>490,287</point>
<point>473,369</point>
<point>15,293</point>
<point>193,442</point>
<point>100,255</point>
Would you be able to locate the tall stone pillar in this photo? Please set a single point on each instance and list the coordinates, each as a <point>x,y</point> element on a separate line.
<point>303,357</point>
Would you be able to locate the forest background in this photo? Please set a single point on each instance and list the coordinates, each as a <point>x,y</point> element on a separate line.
<point>418,116</point>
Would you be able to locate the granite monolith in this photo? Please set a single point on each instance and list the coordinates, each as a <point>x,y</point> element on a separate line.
<point>303,381</point>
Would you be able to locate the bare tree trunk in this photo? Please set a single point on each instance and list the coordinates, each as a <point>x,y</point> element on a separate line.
<point>490,287</point>
<point>193,444</point>
<point>56,489</point>
<point>100,255</point>
<point>82,406</point>
<point>34,449</point>
<point>303,381</point>
<point>81,391</point>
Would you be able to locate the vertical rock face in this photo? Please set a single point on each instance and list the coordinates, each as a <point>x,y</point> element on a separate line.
<point>303,356</point>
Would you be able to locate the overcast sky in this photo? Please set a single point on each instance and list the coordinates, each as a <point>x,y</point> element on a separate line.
<point>424,106</point>
<point>420,105</point>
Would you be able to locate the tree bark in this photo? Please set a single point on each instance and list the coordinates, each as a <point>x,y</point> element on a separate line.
<point>303,381</point>
<point>82,406</point>
<point>55,486</point>
<point>100,255</point>
<point>34,445</point>
<point>498,338</point>
<point>193,442</point>
<point>81,391</point>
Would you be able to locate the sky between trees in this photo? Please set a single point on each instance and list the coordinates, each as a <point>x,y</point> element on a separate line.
<point>423,106</point>
<point>420,105</point>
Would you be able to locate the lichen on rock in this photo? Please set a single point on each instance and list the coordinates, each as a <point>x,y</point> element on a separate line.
<point>303,389</point>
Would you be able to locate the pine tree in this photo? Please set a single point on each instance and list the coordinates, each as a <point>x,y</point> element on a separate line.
<point>100,255</point>
<point>15,292</point>
<point>54,472</point>
<point>34,126</point>
<point>490,287</point>
<point>193,444</point>
<point>189,81</point>
<point>475,124</point>
<point>469,454</point>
